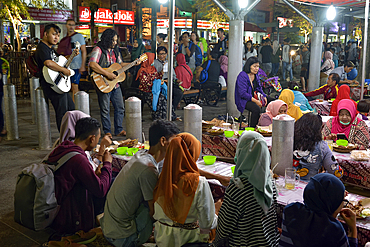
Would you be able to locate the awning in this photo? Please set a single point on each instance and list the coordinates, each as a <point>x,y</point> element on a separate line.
<point>253,28</point>
<point>183,5</point>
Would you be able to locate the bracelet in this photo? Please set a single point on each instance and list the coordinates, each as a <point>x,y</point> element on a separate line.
<point>186,47</point>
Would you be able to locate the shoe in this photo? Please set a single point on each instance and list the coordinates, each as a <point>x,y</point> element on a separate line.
<point>81,237</point>
<point>3,133</point>
<point>123,133</point>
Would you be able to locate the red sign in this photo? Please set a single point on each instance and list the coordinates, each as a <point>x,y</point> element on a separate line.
<point>284,22</point>
<point>187,23</point>
<point>49,14</point>
<point>125,17</point>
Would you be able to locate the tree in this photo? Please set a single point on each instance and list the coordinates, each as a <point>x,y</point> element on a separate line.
<point>207,9</point>
<point>14,9</point>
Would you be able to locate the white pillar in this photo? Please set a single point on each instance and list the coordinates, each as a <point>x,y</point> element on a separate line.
<point>236,29</point>
<point>315,58</point>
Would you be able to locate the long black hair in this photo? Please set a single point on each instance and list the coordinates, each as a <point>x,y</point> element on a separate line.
<point>248,64</point>
<point>106,39</point>
<point>307,132</point>
<point>246,49</point>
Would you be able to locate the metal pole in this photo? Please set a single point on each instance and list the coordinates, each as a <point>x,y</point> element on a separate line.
<point>10,106</point>
<point>82,102</point>
<point>224,9</point>
<point>43,120</point>
<point>34,84</point>
<point>364,47</point>
<point>299,12</point>
<point>133,118</point>
<point>315,58</point>
<point>170,58</point>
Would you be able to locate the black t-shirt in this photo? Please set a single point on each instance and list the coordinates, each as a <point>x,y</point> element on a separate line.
<point>43,53</point>
<point>213,70</point>
<point>266,52</point>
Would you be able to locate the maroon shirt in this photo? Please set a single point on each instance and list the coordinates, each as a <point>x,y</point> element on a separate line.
<point>75,185</point>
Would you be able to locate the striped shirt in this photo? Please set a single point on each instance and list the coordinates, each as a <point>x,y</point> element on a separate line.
<point>242,222</point>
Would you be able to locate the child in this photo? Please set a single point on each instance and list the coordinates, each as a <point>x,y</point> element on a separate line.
<point>363,107</point>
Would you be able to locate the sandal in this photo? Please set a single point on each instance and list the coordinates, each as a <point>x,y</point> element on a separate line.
<point>122,133</point>
<point>64,243</point>
<point>81,237</point>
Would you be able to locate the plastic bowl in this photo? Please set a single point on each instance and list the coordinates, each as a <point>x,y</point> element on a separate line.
<point>240,132</point>
<point>342,142</point>
<point>229,133</point>
<point>122,150</point>
<point>132,151</point>
<point>233,169</point>
<point>209,159</point>
<point>249,129</point>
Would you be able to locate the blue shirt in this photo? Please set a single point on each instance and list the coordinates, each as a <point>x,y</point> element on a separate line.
<point>301,99</point>
<point>77,61</point>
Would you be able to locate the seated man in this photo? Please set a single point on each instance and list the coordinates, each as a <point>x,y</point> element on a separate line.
<point>213,70</point>
<point>342,71</point>
<point>329,90</point>
<point>76,183</point>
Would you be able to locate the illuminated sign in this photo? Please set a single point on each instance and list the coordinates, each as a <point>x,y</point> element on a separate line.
<point>124,17</point>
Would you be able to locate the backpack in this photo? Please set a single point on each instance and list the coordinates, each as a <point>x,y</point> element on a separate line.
<point>32,66</point>
<point>198,55</point>
<point>65,46</point>
<point>204,73</point>
<point>35,204</point>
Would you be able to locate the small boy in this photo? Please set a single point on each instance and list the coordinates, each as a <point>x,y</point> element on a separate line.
<point>363,107</point>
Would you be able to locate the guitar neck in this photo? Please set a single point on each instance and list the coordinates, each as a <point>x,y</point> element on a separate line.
<point>126,67</point>
<point>69,61</point>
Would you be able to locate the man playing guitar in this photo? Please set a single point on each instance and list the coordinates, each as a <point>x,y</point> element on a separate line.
<point>102,56</point>
<point>45,56</point>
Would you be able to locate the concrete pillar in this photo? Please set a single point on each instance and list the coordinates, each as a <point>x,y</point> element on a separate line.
<point>193,120</point>
<point>133,118</point>
<point>34,84</point>
<point>11,116</point>
<point>43,120</point>
<point>82,102</point>
<point>315,58</point>
<point>236,29</point>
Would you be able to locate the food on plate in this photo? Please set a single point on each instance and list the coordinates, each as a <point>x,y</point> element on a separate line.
<point>360,208</point>
<point>128,143</point>
<point>349,146</point>
<point>215,131</point>
<point>360,155</point>
<point>366,212</point>
<point>264,130</point>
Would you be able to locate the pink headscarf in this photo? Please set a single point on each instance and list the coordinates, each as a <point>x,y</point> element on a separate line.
<point>224,60</point>
<point>273,108</point>
<point>68,124</point>
<point>337,127</point>
<point>329,57</point>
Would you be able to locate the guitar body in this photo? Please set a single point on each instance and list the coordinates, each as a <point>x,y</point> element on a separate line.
<point>104,84</point>
<point>60,83</point>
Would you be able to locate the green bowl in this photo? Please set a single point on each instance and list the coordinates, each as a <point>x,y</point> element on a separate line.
<point>132,151</point>
<point>233,169</point>
<point>122,150</point>
<point>240,132</point>
<point>209,159</point>
<point>229,133</point>
<point>342,142</point>
<point>249,129</point>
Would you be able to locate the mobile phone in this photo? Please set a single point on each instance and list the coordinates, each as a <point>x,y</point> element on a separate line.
<point>342,136</point>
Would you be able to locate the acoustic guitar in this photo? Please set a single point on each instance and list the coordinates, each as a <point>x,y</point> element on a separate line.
<point>61,83</point>
<point>104,84</point>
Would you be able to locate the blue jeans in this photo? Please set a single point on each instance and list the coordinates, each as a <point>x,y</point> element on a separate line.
<point>76,78</point>
<point>285,65</point>
<point>1,112</point>
<point>275,68</point>
<point>104,99</point>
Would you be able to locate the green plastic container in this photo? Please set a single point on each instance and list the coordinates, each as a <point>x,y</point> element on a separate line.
<point>240,132</point>
<point>132,151</point>
<point>122,150</point>
<point>342,142</point>
<point>249,129</point>
<point>229,133</point>
<point>233,169</point>
<point>209,159</point>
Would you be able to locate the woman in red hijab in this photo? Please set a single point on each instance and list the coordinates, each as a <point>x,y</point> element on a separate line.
<point>183,72</point>
<point>343,93</point>
<point>346,122</point>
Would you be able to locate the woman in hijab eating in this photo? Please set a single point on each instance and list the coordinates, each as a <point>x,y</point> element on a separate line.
<point>183,207</point>
<point>273,109</point>
<point>343,93</point>
<point>314,223</point>
<point>288,97</point>
<point>248,213</point>
<point>183,72</point>
<point>347,123</point>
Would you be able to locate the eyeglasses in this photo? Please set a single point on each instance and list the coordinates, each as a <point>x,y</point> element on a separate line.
<point>346,202</point>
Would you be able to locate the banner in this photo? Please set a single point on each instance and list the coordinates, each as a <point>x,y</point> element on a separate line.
<point>105,16</point>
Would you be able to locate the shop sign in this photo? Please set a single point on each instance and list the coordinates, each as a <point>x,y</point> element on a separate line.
<point>285,22</point>
<point>124,17</point>
<point>83,27</point>
<point>187,23</point>
<point>50,15</point>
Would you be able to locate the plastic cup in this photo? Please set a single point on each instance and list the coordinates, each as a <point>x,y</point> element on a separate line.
<point>228,133</point>
<point>209,159</point>
<point>132,151</point>
<point>240,132</point>
<point>122,150</point>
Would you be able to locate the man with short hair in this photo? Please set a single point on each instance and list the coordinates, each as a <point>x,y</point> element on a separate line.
<point>342,71</point>
<point>266,52</point>
<point>78,63</point>
<point>45,56</point>
<point>287,60</point>
<point>213,70</point>
<point>76,182</point>
<point>329,90</point>
<point>222,43</point>
<point>188,49</point>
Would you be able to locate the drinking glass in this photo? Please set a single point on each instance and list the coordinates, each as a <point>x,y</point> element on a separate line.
<point>291,178</point>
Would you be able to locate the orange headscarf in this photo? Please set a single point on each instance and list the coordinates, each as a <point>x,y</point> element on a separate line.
<point>179,178</point>
<point>147,65</point>
<point>343,93</point>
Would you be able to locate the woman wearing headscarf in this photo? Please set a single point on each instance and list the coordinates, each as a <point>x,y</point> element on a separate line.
<point>326,67</point>
<point>343,93</point>
<point>346,122</point>
<point>299,97</point>
<point>288,97</point>
<point>273,109</point>
<point>224,61</point>
<point>184,207</point>
<point>137,49</point>
<point>248,213</point>
<point>183,72</point>
<point>314,223</point>
<point>275,59</point>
